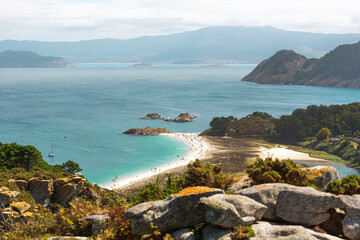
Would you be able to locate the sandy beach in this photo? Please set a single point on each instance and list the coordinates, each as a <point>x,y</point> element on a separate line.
<point>198,149</point>
<point>284,153</point>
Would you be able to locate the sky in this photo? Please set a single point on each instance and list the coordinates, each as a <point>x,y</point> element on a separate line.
<point>74,20</point>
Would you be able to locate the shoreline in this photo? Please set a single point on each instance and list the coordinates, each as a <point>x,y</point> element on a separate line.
<point>198,149</point>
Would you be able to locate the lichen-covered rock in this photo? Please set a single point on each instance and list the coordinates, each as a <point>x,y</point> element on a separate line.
<point>269,231</point>
<point>322,175</point>
<point>243,182</point>
<point>177,211</point>
<point>306,206</point>
<point>98,222</point>
<point>266,194</point>
<point>211,232</point>
<point>183,234</point>
<point>231,210</point>
<point>21,207</point>
<point>41,190</point>
<point>67,189</point>
<point>65,193</point>
<point>6,196</point>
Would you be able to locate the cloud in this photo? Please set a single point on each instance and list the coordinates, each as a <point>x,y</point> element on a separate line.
<point>73,20</point>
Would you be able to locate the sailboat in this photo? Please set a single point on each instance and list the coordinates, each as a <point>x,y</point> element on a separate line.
<point>52,151</point>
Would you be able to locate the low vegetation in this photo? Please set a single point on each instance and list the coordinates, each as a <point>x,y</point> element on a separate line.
<point>349,185</point>
<point>276,171</point>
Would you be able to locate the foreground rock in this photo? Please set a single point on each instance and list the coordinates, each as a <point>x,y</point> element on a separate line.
<point>178,211</point>
<point>152,116</point>
<point>267,194</point>
<point>41,190</point>
<point>6,196</point>
<point>146,131</point>
<point>322,175</point>
<point>228,211</point>
<point>307,206</point>
<point>268,230</point>
<point>183,117</point>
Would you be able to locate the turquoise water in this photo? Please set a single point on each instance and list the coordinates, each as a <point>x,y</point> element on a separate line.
<point>91,104</point>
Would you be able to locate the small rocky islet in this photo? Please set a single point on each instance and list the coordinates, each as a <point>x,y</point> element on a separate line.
<point>183,117</point>
<point>148,131</point>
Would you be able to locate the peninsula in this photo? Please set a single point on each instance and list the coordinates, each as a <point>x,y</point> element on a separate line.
<point>339,68</point>
<point>23,59</point>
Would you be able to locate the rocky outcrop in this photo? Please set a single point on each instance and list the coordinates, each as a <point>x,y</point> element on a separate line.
<point>148,131</point>
<point>152,116</point>
<point>268,230</point>
<point>307,206</point>
<point>178,211</point>
<point>267,194</point>
<point>41,190</point>
<point>228,211</point>
<point>66,189</point>
<point>322,175</point>
<point>183,117</point>
<point>6,196</point>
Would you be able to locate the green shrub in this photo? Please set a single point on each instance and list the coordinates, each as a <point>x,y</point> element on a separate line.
<point>348,185</point>
<point>201,174</point>
<point>276,171</point>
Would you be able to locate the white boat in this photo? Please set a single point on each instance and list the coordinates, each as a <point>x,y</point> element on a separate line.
<point>52,151</point>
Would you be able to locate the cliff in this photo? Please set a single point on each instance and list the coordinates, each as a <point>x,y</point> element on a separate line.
<point>338,68</point>
<point>23,59</point>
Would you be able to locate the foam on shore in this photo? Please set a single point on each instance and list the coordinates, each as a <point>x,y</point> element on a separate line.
<point>198,148</point>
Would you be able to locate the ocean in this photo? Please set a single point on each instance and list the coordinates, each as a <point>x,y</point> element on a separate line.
<point>82,111</point>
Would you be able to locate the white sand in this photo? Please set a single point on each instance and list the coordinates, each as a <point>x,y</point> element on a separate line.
<point>284,153</point>
<point>198,149</point>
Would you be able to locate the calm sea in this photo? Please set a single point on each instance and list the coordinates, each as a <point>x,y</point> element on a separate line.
<point>83,110</point>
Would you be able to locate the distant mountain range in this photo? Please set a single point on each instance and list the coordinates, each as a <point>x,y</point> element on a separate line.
<point>213,45</point>
<point>23,59</point>
<point>338,68</point>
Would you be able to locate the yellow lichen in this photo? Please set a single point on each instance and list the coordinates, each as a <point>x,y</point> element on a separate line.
<point>194,191</point>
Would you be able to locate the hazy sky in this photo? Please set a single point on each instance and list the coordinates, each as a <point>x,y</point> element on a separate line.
<point>72,20</point>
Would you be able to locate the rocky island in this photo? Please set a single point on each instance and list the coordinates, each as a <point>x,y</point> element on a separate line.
<point>338,68</point>
<point>152,116</point>
<point>23,59</point>
<point>183,117</point>
<point>148,131</point>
